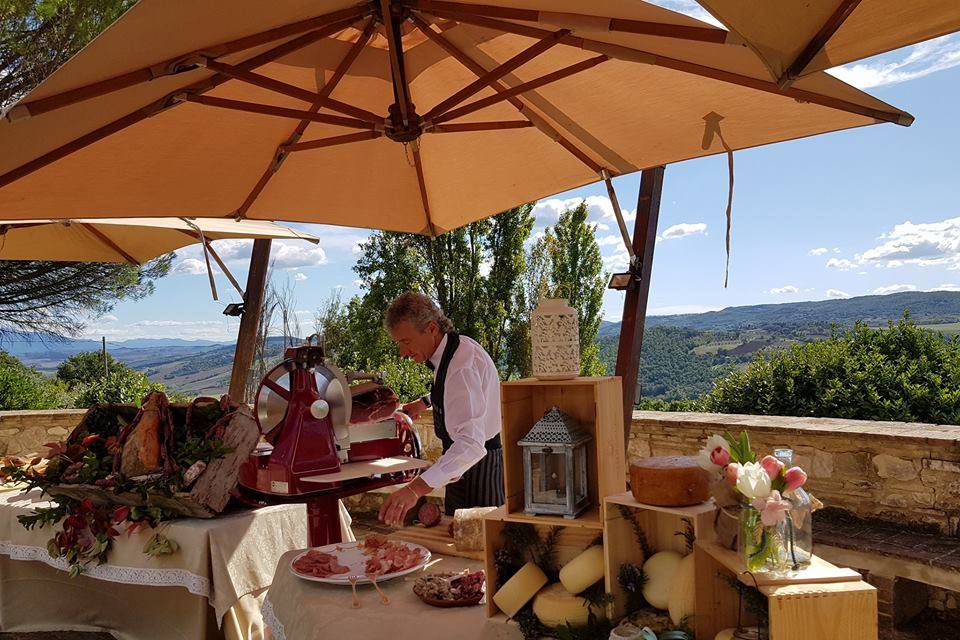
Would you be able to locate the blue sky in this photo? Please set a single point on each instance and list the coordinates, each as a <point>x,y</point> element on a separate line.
<point>873,210</point>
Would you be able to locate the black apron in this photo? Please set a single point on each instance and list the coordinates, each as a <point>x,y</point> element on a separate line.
<point>482,484</point>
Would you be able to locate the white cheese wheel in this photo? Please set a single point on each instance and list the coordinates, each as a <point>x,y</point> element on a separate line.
<point>682,591</point>
<point>726,634</point>
<point>519,589</point>
<point>554,606</point>
<point>660,569</point>
<point>583,571</point>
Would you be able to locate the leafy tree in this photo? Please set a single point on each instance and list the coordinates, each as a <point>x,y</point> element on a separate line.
<point>577,271</point>
<point>37,36</point>
<point>121,386</point>
<point>903,373</point>
<point>86,367</point>
<point>23,388</point>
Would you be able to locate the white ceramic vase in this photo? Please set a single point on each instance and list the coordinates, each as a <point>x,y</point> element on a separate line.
<point>555,332</point>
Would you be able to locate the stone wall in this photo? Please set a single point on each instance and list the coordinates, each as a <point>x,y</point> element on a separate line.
<point>24,433</point>
<point>893,470</point>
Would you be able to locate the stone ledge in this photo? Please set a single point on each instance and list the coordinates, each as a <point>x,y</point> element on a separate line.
<point>917,433</point>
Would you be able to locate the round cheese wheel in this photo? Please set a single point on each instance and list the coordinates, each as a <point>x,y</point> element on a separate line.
<point>680,604</point>
<point>583,571</point>
<point>554,606</point>
<point>726,634</point>
<point>670,481</point>
<point>519,589</point>
<point>660,569</point>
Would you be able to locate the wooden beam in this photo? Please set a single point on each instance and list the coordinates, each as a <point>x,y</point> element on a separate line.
<point>250,320</point>
<point>589,22</point>
<point>186,61</point>
<point>521,88</point>
<point>281,112</point>
<point>401,90</point>
<point>528,54</point>
<point>322,95</point>
<point>421,181</point>
<point>331,142</point>
<point>480,126</point>
<point>478,70</point>
<point>159,105</point>
<point>105,239</point>
<point>818,42</point>
<point>293,91</point>
<point>630,54</point>
<point>635,301</point>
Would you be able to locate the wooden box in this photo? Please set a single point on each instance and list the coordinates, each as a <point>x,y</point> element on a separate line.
<point>575,537</point>
<point>597,403</point>
<point>663,528</point>
<point>823,602</point>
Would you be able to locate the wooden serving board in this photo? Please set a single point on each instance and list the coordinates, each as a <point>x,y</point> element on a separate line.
<point>437,539</point>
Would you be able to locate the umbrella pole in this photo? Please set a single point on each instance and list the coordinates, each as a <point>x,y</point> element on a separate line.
<point>250,320</point>
<point>635,304</point>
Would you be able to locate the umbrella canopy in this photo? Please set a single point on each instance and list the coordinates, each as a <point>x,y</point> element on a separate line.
<point>406,115</point>
<point>134,240</point>
<point>796,38</point>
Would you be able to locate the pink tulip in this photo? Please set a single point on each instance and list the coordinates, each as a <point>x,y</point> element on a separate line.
<point>732,473</point>
<point>795,478</point>
<point>720,457</point>
<point>772,466</point>
<point>773,509</point>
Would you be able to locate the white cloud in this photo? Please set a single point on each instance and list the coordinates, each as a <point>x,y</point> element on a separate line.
<point>786,289</point>
<point>359,283</point>
<point>819,251</point>
<point>610,241</point>
<point>895,288</point>
<point>300,277</point>
<point>294,256</point>
<point>841,263</point>
<point>683,230</point>
<point>920,60</point>
<point>836,293</point>
<point>619,260</point>
<point>109,318</point>
<point>599,210</point>
<point>947,287</point>
<point>925,244</point>
<point>190,267</point>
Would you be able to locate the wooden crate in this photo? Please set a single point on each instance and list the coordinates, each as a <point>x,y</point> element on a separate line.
<point>597,403</point>
<point>576,536</point>
<point>660,525</point>
<point>823,602</point>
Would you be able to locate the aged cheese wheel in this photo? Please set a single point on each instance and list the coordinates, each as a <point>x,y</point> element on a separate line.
<point>682,591</point>
<point>519,589</point>
<point>468,528</point>
<point>554,606</point>
<point>669,481</point>
<point>660,569</point>
<point>583,571</point>
<point>726,634</point>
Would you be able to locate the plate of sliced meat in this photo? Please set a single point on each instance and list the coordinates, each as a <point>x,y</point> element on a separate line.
<point>374,559</point>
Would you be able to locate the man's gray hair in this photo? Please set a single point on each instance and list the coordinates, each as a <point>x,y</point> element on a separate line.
<point>418,310</point>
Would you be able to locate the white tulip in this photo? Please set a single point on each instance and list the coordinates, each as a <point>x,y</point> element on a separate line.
<point>703,459</point>
<point>754,482</point>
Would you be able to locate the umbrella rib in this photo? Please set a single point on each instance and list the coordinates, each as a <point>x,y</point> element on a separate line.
<point>223,267</point>
<point>282,112</point>
<point>102,237</point>
<point>528,54</point>
<point>630,54</point>
<point>522,88</point>
<point>293,91</point>
<point>480,126</point>
<point>185,62</point>
<point>163,103</point>
<point>597,23</point>
<point>421,182</point>
<point>477,69</point>
<point>325,92</point>
<point>818,42</point>
<point>330,142</point>
<point>401,90</point>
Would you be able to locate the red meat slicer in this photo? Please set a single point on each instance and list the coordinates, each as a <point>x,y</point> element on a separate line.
<point>325,438</point>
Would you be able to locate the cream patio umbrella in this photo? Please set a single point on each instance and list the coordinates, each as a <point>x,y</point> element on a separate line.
<point>406,115</point>
<point>796,38</point>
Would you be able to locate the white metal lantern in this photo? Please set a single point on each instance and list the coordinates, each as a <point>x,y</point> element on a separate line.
<point>555,332</point>
<point>555,466</point>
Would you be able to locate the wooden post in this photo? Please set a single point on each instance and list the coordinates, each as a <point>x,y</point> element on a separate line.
<point>250,320</point>
<point>635,304</point>
<point>106,364</point>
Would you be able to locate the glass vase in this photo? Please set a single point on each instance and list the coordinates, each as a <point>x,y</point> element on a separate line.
<point>761,547</point>
<point>797,529</point>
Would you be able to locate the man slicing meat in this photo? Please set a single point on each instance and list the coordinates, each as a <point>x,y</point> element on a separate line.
<point>465,398</point>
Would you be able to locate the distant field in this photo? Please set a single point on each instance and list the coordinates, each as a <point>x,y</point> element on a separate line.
<point>947,329</point>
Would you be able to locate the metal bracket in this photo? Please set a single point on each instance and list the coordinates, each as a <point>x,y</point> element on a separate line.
<point>605,174</point>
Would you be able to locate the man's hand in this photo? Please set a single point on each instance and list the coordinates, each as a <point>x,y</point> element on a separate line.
<point>414,409</point>
<point>395,507</point>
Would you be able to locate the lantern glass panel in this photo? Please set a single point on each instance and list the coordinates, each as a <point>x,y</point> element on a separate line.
<point>580,472</point>
<point>549,478</point>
